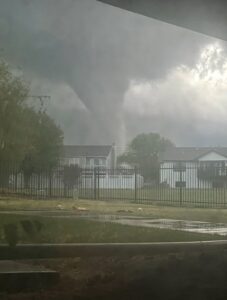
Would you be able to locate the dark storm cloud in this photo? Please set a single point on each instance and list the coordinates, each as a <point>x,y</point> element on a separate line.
<point>84,54</point>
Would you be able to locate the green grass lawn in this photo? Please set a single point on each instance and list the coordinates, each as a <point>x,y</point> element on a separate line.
<point>71,230</point>
<point>167,194</point>
<point>115,207</point>
<point>203,197</point>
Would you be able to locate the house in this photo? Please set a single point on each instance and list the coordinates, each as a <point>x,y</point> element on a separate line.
<point>102,156</point>
<point>194,167</point>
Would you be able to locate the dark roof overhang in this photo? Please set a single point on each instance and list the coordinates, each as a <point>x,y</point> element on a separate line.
<point>204,16</point>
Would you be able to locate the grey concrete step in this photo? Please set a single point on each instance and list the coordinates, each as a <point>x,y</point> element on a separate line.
<point>15,277</point>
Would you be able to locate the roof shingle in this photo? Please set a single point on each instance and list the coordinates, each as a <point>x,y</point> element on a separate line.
<point>190,153</point>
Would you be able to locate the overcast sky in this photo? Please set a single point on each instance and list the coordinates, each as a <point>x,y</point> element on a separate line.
<point>112,74</point>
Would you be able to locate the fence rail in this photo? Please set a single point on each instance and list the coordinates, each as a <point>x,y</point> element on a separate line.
<point>183,186</point>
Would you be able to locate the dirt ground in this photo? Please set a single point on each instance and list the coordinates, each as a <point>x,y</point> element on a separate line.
<point>176,276</point>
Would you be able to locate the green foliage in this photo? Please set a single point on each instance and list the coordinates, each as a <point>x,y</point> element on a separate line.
<point>77,230</point>
<point>28,138</point>
<point>13,127</point>
<point>45,144</point>
<point>144,152</point>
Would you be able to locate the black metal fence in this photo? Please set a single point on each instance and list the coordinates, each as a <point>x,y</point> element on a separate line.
<point>196,186</point>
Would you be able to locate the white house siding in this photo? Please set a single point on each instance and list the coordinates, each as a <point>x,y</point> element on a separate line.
<point>109,161</point>
<point>83,162</point>
<point>189,176</point>
<point>80,161</point>
<point>96,162</point>
<point>169,177</point>
<point>71,161</point>
<point>90,156</point>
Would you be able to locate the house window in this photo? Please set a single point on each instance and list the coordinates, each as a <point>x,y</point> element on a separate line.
<point>102,162</point>
<point>96,162</point>
<point>212,164</point>
<point>179,166</point>
<point>88,162</point>
<point>209,170</point>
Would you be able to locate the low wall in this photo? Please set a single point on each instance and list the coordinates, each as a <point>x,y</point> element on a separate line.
<point>112,181</point>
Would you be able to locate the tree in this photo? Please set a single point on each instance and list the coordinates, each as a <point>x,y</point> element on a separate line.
<point>13,127</point>
<point>44,150</point>
<point>144,152</point>
<point>29,139</point>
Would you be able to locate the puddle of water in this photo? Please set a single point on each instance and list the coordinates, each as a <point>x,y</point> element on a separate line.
<point>184,225</point>
<point>190,226</point>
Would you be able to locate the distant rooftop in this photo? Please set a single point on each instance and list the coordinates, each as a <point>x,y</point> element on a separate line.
<point>71,151</point>
<point>190,153</point>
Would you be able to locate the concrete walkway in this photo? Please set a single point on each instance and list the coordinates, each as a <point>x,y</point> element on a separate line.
<point>16,277</point>
<point>43,251</point>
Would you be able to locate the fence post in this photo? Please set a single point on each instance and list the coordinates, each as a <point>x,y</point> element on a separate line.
<point>15,184</point>
<point>224,188</point>
<point>98,183</point>
<point>180,186</point>
<point>95,187</point>
<point>135,170</point>
<point>50,183</point>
